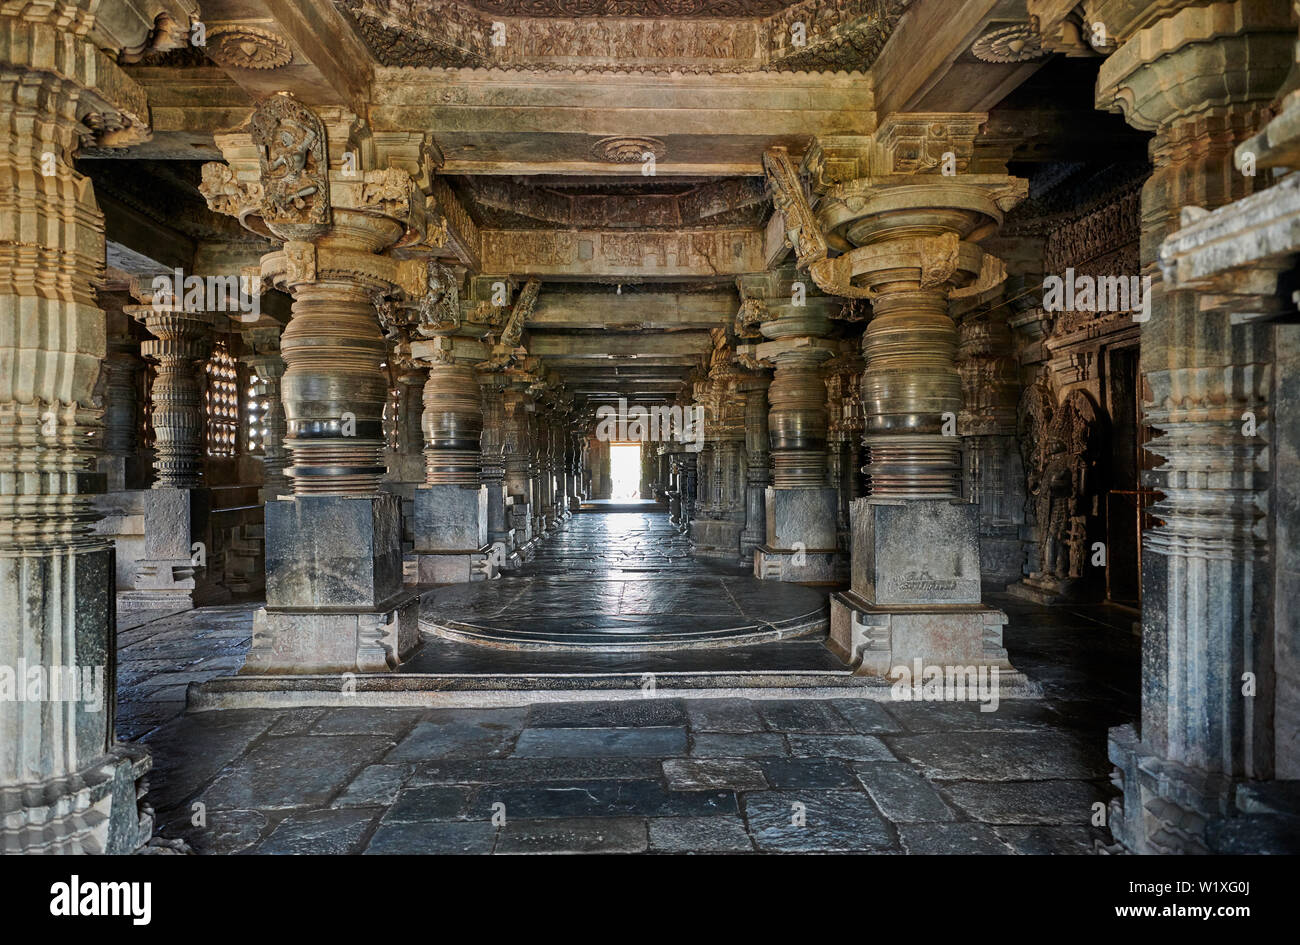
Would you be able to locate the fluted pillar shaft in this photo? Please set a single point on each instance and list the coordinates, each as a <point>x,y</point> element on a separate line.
<point>1207,573</point>
<point>797,419</point>
<point>180,342</point>
<point>910,389</point>
<point>66,785</point>
<point>453,425</point>
<point>334,390</point>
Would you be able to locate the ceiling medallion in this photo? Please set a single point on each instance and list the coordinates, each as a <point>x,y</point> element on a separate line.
<point>247,47</point>
<point>627,149</point>
<point>1019,43</point>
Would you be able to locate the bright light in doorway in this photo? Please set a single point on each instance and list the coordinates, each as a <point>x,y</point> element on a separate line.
<point>625,470</point>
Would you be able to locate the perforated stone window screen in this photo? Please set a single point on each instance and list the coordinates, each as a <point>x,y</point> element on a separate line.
<point>392,419</point>
<point>257,405</point>
<point>221,401</point>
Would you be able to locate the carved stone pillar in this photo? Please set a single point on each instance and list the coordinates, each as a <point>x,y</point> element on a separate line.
<point>800,535</point>
<point>993,474</point>
<point>181,340</point>
<point>844,410</point>
<point>757,476</point>
<point>717,532</point>
<point>907,211</point>
<point>493,385</point>
<point>335,600</point>
<point>119,383</point>
<point>1207,574</point>
<point>66,784</point>
<point>518,462</point>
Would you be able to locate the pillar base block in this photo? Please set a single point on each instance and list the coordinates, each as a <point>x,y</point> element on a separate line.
<point>450,517</point>
<point>877,640</point>
<point>327,553</point>
<point>716,538</point>
<point>795,567</point>
<point>334,641</point>
<point>1171,808</point>
<point>96,811</point>
<point>1046,589</point>
<point>455,567</point>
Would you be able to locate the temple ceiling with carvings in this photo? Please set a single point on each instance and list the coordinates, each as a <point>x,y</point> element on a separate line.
<point>611,149</point>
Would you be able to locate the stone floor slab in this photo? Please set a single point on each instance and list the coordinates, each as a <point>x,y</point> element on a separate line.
<point>709,774</point>
<point>600,742</point>
<point>815,821</point>
<point>699,835</point>
<point>574,835</point>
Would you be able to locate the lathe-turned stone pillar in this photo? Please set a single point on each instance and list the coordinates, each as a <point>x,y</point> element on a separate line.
<point>181,340</point>
<point>843,375</point>
<point>753,387</point>
<point>451,508</point>
<point>907,210</point>
<point>493,385</point>
<point>335,601</point>
<point>518,469</point>
<point>800,536</point>
<point>66,784</point>
<point>716,533</point>
<point>1207,736</point>
<point>175,515</point>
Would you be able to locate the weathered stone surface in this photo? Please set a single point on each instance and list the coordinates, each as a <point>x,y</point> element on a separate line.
<point>433,839</point>
<point>1029,802</point>
<point>855,747</point>
<point>293,771</point>
<point>961,839</point>
<point>599,742</point>
<point>325,832</point>
<point>374,786</point>
<point>642,712</point>
<point>333,552</point>
<point>1001,756</point>
<point>831,821</point>
<point>699,835</point>
<point>688,774</point>
<point>901,794</point>
<point>460,734</point>
<point>430,802</point>
<point>752,745</point>
<point>606,799</point>
<point>574,835</point>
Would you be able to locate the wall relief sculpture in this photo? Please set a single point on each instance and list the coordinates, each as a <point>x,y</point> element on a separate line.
<point>1060,449</point>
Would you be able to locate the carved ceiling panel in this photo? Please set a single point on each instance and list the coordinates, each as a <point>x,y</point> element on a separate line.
<point>649,8</point>
<point>711,36</point>
<point>499,202</point>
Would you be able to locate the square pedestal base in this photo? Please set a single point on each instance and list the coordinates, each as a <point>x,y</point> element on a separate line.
<point>886,641</point>
<point>455,567</point>
<point>303,642</point>
<point>716,538</point>
<point>795,567</point>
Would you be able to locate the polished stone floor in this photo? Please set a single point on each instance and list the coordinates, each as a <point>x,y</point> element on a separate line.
<point>656,775</point>
<point>621,581</point>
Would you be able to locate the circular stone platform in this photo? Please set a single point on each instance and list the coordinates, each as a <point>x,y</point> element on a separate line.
<point>621,614</point>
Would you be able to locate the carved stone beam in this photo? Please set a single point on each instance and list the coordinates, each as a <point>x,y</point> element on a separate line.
<point>801,226</point>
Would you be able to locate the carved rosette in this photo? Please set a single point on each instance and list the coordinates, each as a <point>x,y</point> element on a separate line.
<point>242,46</point>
